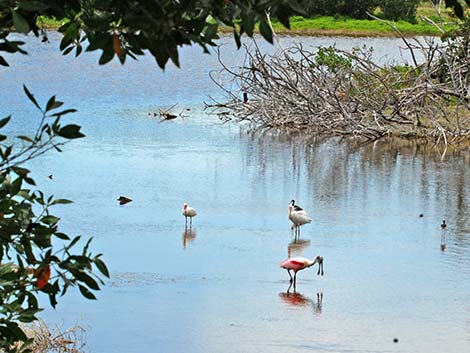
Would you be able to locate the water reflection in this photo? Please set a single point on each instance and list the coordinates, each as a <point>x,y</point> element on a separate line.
<point>297,299</point>
<point>296,247</point>
<point>189,235</point>
<point>443,235</point>
<point>369,181</point>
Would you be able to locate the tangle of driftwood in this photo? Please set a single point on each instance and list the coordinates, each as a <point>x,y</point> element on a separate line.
<point>348,94</point>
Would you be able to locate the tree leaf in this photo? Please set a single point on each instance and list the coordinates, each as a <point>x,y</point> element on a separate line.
<point>3,62</point>
<point>53,104</point>
<point>63,112</point>
<point>266,31</point>
<point>25,138</point>
<point>71,131</point>
<point>90,282</point>
<point>19,22</point>
<point>237,38</point>
<point>50,219</point>
<point>86,293</point>
<point>31,97</point>
<point>62,236</point>
<point>102,267</point>
<point>61,201</point>
<point>4,121</point>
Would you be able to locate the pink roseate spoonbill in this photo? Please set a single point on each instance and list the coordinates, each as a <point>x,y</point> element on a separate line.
<point>298,219</point>
<point>190,212</point>
<point>297,264</point>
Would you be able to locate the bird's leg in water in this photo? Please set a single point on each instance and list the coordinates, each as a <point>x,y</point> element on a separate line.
<point>288,271</point>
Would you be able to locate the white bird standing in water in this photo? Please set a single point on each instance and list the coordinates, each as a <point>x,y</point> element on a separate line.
<point>190,212</point>
<point>298,218</point>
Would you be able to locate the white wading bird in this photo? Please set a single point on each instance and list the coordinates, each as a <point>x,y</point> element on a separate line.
<point>298,218</point>
<point>190,212</point>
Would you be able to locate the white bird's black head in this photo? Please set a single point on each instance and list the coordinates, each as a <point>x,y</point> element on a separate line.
<point>292,202</point>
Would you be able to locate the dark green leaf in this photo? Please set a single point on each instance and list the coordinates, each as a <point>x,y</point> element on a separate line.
<point>16,186</point>
<point>61,201</point>
<point>20,171</point>
<point>90,282</point>
<point>73,242</point>
<point>3,62</point>
<point>19,22</point>
<point>33,5</point>
<point>63,112</point>
<point>211,32</point>
<point>107,55</point>
<point>86,293</point>
<point>161,56</point>
<point>4,121</point>
<point>31,97</point>
<point>282,15</point>
<point>237,38</point>
<point>50,219</point>
<point>266,31</point>
<point>25,138</point>
<point>102,267</point>
<point>71,131</point>
<point>62,236</point>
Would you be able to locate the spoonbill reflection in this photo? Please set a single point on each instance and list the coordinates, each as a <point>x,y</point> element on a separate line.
<point>297,299</point>
<point>190,212</point>
<point>297,264</point>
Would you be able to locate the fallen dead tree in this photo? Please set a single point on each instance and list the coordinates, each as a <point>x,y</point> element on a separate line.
<point>329,92</point>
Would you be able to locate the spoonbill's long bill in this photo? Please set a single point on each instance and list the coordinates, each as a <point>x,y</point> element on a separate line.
<point>190,212</point>
<point>297,264</point>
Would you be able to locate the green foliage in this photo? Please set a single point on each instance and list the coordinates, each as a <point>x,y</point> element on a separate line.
<point>35,256</point>
<point>333,61</point>
<point>349,25</point>
<point>351,8</point>
<point>129,28</point>
<point>457,7</point>
<point>400,9</point>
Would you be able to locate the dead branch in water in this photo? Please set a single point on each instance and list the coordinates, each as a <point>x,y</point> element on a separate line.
<point>330,92</point>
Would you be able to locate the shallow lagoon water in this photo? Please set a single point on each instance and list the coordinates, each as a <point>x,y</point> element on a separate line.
<point>220,288</point>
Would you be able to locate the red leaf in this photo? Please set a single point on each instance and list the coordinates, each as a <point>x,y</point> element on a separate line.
<point>42,274</point>
<point>117,45</point>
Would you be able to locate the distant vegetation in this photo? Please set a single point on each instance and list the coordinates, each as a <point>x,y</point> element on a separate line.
<point>336,17</point>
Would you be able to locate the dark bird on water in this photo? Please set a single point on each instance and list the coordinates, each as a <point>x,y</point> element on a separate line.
<point>443,225</point>
<point>123,200</point>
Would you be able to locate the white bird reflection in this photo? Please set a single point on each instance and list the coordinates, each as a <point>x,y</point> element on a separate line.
<point>188,236</point>
<point>296,247</point>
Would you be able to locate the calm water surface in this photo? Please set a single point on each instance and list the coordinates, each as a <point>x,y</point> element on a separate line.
<point>219,288</point>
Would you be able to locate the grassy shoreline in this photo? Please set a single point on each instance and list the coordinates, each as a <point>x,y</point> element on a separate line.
<point>328,25</point>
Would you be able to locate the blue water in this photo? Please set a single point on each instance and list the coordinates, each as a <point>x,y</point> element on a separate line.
<point>219,288</point>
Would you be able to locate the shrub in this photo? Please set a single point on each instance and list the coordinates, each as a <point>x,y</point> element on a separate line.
<point>399,9</point>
